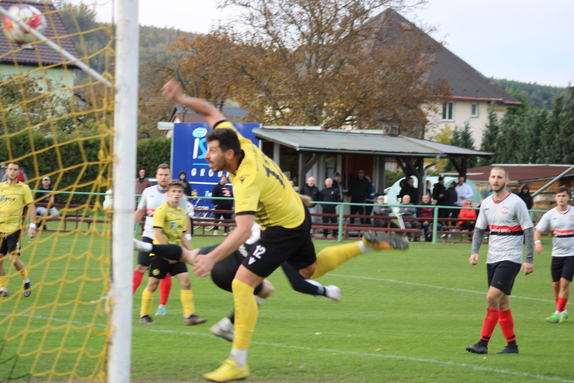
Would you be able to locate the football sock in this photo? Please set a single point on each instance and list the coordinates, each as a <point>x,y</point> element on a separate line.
<point>561,304</point>
<point>24,274</point>
<point>147,300</point>
<point>240,356</point>
<point>136,280</point>
<point>507,325</point>
<point>489,323</point>
<point>246,312</point>
<point>333,256</point>
<point>165,289</point>
<point>186,297</point>
<point>231,317</point>
<point>172,252</point>
<point>3,282</point>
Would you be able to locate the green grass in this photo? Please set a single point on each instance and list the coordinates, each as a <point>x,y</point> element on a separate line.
<point>404,317</point>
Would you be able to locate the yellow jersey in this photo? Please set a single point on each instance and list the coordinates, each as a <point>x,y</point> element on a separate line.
<point>173,222</point>
<point>13,199</point>
<point>261,188</point>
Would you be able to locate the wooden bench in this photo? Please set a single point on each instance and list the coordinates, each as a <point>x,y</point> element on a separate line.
<point>70,214</point>
<point>205,220</point>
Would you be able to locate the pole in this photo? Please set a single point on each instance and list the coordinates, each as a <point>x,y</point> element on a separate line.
<point>125,123</point>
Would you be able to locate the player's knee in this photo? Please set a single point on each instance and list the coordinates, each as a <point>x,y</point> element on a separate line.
<point>142,268</point>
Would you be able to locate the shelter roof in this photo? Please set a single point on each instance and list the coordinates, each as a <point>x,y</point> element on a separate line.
<point>519,172</point>
<point>371,142</point>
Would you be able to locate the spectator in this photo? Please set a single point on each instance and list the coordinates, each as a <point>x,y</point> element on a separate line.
<point>222,190</point>
<point>312,191</point>
<point>46,200</point>
<point>428,189</point>
<point>142,182</point>
<point>526,197</point>
<point>359,190</point>
<point>186,185</point>
<point>438,192</point>
<point>408,212</point>
<point>409,189</point>
<point>464,193</point>
<point>337,183</point>
<point>467,213</point>
<point>449,200</point>
<point>381,214</point>
<point>370,200</point>
<point>428,214</point>
<point>329,194</point>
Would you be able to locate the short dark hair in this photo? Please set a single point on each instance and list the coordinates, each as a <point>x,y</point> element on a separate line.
<point>163,166</point>
<point>175,184</point>
<point>562,189</point>
<point>14,163</point>
<point>440,178</point>
<point>228,139</point>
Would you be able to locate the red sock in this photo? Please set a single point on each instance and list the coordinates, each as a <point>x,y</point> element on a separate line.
<point>489,323</point>
<point>507,325</point>
<point>137,280</point>
<point>164,289</point>
<point>561,304</point>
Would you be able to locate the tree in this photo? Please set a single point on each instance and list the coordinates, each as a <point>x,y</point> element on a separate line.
<point>308,62</point>
<point>490,137</point>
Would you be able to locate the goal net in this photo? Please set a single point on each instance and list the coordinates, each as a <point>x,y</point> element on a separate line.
<point>56,121</point>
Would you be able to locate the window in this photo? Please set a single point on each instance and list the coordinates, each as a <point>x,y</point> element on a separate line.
<point>447,111</point>
<point>474,109</point>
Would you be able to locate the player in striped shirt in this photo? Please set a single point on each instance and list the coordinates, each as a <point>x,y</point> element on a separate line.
<point>560,222</point>
<point>506,215</point>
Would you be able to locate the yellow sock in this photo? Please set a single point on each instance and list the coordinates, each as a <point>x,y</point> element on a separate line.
<point>23,273</point>
<point>147,300</point>
<point>245,314</point>
<point>2,281</point>
<point>186,297</point>
<point>333,256</point>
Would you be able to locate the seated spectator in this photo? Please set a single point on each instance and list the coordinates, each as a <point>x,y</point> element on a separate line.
<point>408,213</point>
<point>45,200</point>
<point>381,210</point>
<point>427,212</point>
<point>467,213</point>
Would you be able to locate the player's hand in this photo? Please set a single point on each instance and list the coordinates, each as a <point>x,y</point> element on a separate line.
<point>538,248</point>
<point>172,91</point>
<point>473,260</point>
<point>528,268</point>
<point>203,266</point>
<point>32,232</point>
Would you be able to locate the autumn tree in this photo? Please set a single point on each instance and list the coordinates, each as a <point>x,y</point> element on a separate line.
<point>309,62</point>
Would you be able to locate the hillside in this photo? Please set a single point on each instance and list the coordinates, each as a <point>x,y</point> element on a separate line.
<point>538,96</point>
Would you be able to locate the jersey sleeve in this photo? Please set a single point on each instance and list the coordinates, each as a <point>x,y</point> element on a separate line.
<point>246,195</point>
<point>522,214</point>
<point>481,222</point>
<point>542,225</point>
<point>142,202</point>
<point>227,125</point>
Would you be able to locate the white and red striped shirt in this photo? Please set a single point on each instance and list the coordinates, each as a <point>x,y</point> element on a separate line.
<point>561,225</point>
<point>507,219</point>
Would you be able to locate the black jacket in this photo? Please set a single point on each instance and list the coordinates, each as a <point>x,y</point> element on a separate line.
<point>312,192</point>
<point>222,191</point>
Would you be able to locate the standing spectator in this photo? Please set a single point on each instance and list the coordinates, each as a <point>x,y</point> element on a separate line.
<point>409,189</point>
<point>408,211</point>
<point>428,214</point>
<point>370,200</point>
<point>449,200</point>
<point>428,189</point>
<point>186,185</point>
<point>510,228</point>
<point>359,190</point>
<point>438,192</point>
<point>464,193</point>
<point>312,191</point>
<point>467,213</point>
<point>338,185</point>
<point>44,197</point>
<point>526,197</point>
<point>560,222</point>
<point>170,225</point>
<point>381,210</point>
<point>142,182</point>
<point>16,195</point>
<point>222,190</point>
<point>329,194</point>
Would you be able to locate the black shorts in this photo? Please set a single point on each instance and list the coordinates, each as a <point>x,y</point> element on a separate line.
<point>224,271</point>
<point>278,244</point>
<point>160,267</point>
<point>502,275</point>
<point>10,243</point>
<point>144,258</point>
<point>562,267</point>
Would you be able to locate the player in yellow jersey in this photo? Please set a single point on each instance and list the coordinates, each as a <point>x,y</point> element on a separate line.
<point>14,197</point>
<point>262,194</point>
<point>170,225</point>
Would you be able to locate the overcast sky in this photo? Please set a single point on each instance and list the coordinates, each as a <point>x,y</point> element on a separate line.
<point>523,40</point>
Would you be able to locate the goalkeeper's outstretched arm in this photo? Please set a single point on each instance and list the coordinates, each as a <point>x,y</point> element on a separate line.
<point>173,91</point>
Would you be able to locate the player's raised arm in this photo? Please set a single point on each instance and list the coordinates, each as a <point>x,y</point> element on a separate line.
<point>173,91</point>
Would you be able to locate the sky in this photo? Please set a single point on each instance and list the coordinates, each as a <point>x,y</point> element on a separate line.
<point>523,40</point>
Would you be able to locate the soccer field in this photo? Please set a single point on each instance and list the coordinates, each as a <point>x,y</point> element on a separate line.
<point>404,317</point>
